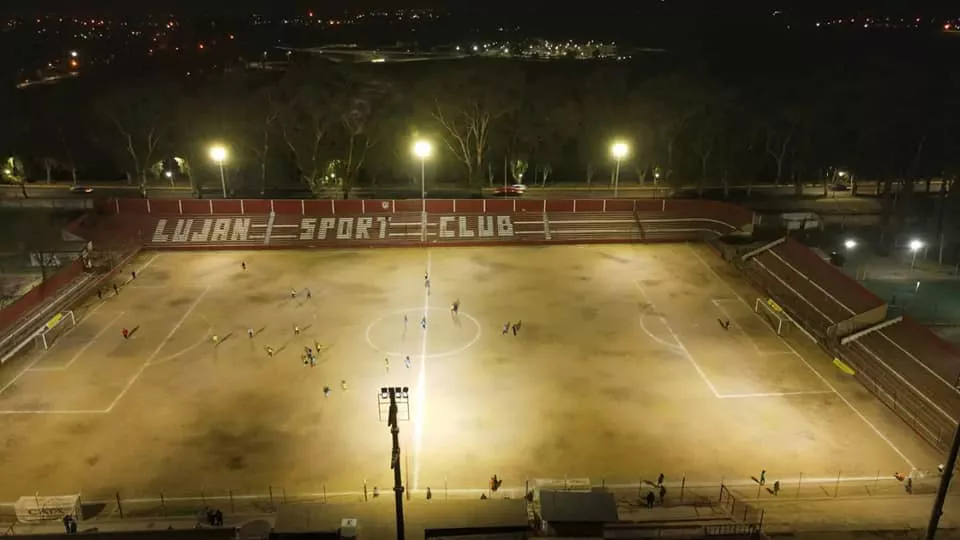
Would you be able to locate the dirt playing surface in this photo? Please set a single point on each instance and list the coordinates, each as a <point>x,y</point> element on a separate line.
<point>620,370</point>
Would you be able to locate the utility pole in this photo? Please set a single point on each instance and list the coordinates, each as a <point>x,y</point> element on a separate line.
<point>945,478</point>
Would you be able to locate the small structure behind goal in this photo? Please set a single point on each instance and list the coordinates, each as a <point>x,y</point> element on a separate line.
<point>774,315</point>
<point>55,327</point>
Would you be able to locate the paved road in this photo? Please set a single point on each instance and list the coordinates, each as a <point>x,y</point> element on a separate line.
<point>765,198</point>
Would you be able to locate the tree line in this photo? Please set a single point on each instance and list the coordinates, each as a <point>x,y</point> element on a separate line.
<point>322,126</point>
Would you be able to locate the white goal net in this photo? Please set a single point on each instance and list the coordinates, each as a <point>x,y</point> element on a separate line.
<point>774,315</point>
<point>55,327</point>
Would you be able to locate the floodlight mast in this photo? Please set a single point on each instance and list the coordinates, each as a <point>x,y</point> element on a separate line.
<point>945,476</point>
<point>394,424</point>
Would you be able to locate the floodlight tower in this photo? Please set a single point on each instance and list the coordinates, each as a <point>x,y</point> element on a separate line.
<point>393,398</point>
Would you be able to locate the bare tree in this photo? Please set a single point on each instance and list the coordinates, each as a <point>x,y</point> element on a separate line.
<point>306,115</point>
<point>467,102</point>
<point>137,120</point>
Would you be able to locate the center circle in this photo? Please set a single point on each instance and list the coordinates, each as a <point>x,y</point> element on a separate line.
<point>390,335</point>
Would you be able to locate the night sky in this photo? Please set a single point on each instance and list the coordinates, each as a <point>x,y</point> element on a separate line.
<point>212,7</point>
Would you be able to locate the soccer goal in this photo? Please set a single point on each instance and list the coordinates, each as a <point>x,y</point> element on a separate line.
<point>774,315</point>
<point>55,327</point>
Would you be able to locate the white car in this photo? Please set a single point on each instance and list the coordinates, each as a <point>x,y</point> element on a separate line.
<point>520,188</point>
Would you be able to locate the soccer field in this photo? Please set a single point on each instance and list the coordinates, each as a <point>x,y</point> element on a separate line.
<point>619,371</point>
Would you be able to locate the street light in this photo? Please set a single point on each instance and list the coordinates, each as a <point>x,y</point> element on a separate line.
<point>850,244</point>
<point>915,246</point>
<point>218,153</point>
<point>619,151</point>
<point>423,149</point>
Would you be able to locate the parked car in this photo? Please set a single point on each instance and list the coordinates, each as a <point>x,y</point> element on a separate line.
<point>509,191</point>
<point>81,189</point>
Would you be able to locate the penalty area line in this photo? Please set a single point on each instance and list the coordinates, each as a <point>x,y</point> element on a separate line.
<point>803,360</point>
<point>156,351</point>
<point>773,394</point>
<point>43,353</point>
<point>680,344</point>
<point>86,346</point>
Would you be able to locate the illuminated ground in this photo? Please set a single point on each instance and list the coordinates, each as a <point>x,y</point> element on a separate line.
<point>620,371</point>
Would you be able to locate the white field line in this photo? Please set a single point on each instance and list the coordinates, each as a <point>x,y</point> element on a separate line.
<point>158,349</point>
<point>84,348</point>
<point>174,356</point>
<point>680,345</point>
<point>421,385</point>
<point>643,326</point>
<point>148,263</point>
<point>506,492</point>
<point>739,328</point>
<point>743,332</point>
<point>41,355</point>
<point>53,411</point>
<point>773,394</point>
<point>811,368</point>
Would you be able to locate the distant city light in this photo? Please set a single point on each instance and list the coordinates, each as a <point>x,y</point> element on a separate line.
<point>73,54</point>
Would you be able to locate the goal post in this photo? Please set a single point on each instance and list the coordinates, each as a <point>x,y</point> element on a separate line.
<point>55,327</point>
<point>774,315</point>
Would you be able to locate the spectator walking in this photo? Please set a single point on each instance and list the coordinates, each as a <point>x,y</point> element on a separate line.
<point>651,498</point>
<point>763,476</point>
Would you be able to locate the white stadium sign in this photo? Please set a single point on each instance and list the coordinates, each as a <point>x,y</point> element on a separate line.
<point>329,229</point>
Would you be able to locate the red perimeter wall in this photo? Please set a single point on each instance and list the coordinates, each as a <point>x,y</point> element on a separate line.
<point>40,294</point>
<point>737,216</point>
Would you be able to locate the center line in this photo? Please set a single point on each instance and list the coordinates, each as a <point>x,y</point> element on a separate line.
<point>421,402</point>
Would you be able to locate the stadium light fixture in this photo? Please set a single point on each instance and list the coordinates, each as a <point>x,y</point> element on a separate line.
<point>915,246</point>
<point>423,149</point>
<point>218,153</point>
<point>619,150</point>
